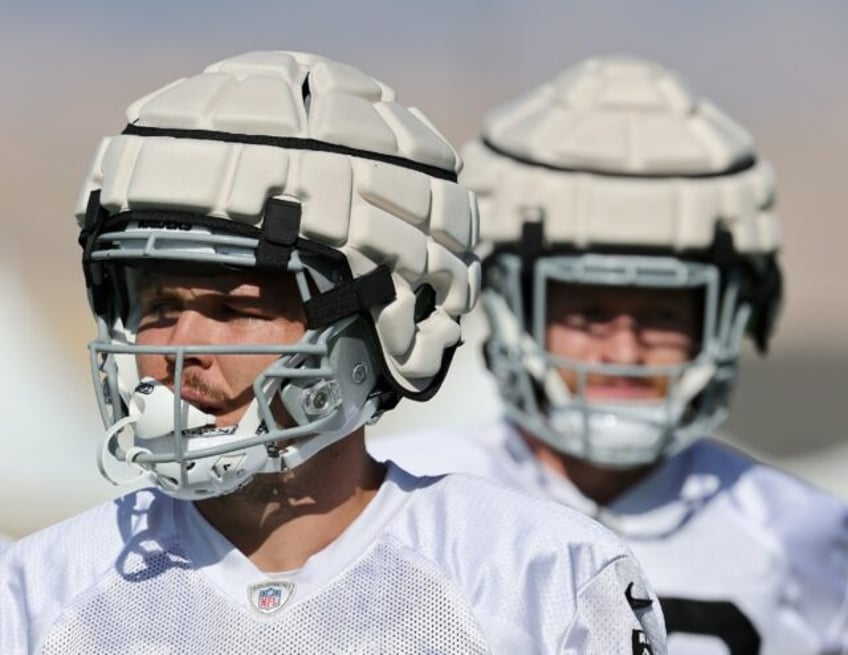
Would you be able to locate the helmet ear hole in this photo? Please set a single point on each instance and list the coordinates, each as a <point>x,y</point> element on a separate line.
<point>425,302</point>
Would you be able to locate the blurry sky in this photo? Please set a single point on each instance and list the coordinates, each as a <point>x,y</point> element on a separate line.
<point>69,69</point>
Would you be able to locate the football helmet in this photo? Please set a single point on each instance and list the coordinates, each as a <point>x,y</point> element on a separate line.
<point>614,173</point>
<point>293,164</point>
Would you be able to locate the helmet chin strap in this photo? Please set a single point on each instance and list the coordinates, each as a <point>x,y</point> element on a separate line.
<point>150,416</point>
<point>152,410</point>
<point>152,406</point>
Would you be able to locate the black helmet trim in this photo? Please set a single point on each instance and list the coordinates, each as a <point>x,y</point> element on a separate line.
<point>275,242</point>
<point>372,289</point>
<point>721,251</point>
<point>739,166</point>
<point>290,143</point>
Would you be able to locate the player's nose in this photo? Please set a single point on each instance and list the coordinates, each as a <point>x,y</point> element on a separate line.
<point>191,328</point>
<point>623,344</point>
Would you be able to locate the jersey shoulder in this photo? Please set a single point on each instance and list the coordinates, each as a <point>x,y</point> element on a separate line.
<point>519,558</point>
<point>806,529</point>
<point>61,560</point>
<point>772,498</point>
<point>478,516</point>
<point>808,526</point>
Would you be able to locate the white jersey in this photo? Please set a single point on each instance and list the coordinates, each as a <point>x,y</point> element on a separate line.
<point>450,565</point>
<point>4,541</point>
<point>745,558</point>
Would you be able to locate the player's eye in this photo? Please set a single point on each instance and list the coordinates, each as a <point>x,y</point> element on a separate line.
<point>663,318</point>
<point>159,308</point>
<point>597,315</point>
<point>240,312</point>
<point>587,318</point>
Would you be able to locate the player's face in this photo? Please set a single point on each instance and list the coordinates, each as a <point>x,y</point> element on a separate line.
<point>621,326</point>
<point>224,309</point>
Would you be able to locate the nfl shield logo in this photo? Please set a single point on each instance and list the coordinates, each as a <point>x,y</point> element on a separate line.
<point>269,596</point>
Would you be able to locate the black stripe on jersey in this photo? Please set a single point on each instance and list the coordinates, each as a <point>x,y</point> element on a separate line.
<point>715,618</point>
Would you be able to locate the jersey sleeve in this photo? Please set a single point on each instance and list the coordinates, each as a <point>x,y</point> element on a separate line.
<point>617,614</point>
<point>818,583</point>
<point>811,530</point>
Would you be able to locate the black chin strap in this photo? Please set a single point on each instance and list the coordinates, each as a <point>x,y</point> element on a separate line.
<point>280,230</point>
<point>351,297</point>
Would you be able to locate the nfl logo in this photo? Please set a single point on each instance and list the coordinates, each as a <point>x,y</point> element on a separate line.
<point>269,596</point>
<point>269,599</point>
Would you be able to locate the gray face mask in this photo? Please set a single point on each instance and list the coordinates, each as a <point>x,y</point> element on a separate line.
<point>619,433</point>
<point>178,448</point>
<point>322,383</point>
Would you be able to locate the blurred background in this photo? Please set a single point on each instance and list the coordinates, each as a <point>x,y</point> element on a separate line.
<point>68,71</point>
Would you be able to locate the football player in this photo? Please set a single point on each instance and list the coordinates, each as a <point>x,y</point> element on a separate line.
<point>632,245</point>
<point>276,252</point>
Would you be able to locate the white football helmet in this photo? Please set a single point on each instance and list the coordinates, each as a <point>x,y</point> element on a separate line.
<point>614,173</point>
<point>283,162</point>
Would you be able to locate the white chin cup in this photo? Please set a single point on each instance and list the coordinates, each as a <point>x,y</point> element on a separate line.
<point>152,406</point>
<point>620,434</point>
<point>614,434</point>
<point>151,421</point>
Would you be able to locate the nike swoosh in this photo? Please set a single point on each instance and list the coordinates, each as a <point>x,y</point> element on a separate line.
<point>636,603</point>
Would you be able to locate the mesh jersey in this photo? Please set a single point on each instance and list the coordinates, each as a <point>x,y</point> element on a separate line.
<point>450,565</point>
<point>4,541</point>
<point>745,558</point>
